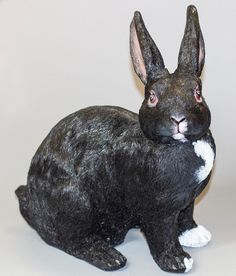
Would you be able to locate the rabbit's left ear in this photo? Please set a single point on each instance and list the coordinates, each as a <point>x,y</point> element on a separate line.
<point>192,49</point>
<point>147,60</point>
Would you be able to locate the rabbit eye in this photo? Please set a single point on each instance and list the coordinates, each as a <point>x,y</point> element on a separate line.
<point>152,100</point>
<point>198,95</point>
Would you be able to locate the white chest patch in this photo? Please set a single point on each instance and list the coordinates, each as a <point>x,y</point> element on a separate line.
<point>205,151</point>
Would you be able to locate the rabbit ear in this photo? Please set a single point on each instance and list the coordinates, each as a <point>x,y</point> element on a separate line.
<point>147,60</point>
<point>192,49</point>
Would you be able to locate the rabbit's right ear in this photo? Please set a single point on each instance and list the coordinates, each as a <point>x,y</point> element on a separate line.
<point>192,49</point>
<point>147,60</point>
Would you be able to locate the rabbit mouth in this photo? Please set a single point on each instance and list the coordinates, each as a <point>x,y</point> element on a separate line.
<point>179,136</point>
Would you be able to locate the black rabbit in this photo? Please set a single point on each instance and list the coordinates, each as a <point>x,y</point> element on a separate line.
<point>103,170</point>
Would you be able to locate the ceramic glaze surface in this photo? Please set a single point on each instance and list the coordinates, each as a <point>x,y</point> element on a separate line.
<point>104,170</point>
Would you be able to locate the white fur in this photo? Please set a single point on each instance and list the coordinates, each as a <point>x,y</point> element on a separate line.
<point>205,151</point>
<point>195,237</point>
<point>188,264</point>
<point>180,137</point>
<point>183,126</point>
<point>180,129</point>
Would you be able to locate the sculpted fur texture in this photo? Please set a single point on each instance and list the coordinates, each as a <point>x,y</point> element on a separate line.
<point>104,170</point>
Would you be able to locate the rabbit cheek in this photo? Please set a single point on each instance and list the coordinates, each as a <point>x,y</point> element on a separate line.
<point>199,119</point>
<point>151,122</point>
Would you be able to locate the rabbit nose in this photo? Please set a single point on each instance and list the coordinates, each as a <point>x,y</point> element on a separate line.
<point>177,119</point>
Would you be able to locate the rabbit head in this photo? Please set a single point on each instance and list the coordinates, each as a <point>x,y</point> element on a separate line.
<point>174,108</point>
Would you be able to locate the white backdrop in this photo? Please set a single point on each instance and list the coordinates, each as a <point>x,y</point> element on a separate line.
<point>57,56</point>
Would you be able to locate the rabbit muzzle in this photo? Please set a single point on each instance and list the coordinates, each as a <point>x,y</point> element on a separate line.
<point>179,127</point>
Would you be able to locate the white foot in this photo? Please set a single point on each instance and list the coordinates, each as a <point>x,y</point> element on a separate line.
<point>188,264</point>
<point>195,237</point>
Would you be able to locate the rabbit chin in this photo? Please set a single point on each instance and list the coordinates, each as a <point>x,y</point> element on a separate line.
<point>180,137</point>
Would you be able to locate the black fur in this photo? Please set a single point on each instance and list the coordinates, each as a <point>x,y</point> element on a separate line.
<point>104,170</point>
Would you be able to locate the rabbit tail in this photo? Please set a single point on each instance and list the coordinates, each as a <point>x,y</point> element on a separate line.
<point>22,194</point>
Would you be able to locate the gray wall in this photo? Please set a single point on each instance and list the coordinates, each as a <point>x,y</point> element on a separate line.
<point>59,56</point>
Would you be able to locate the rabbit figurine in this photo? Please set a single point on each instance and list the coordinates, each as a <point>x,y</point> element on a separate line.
<point>104,170</point>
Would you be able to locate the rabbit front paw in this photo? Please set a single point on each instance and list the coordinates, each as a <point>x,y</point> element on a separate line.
<point>195,237</point>
<point>109,260</point>
<point>177,263</point>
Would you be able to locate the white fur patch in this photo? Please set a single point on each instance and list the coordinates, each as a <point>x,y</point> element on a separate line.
<point>183,126</point>
<point>195,237</point>
<point>205,151</point>
<point>180,137</point>
<point>188,264</point>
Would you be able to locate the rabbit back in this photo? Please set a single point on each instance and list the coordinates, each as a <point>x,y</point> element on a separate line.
<point>102,150</point>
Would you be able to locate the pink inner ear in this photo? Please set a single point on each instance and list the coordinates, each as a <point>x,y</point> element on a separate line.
<point>136,54</point>
<point>201,56</point>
